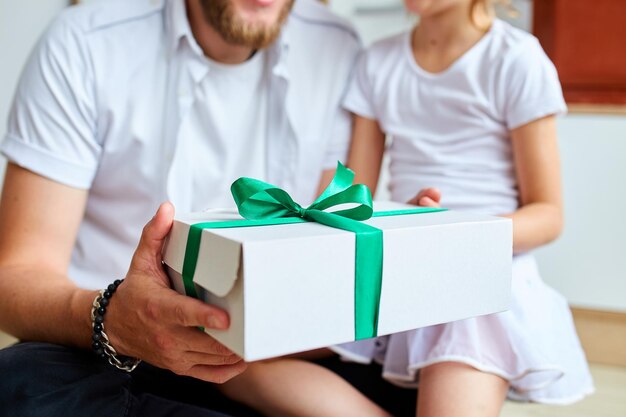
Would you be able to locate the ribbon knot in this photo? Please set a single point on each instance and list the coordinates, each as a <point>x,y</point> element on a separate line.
<point>258,200</point>
<point>302,211</point>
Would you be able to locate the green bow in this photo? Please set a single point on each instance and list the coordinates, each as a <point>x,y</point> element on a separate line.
<point>263,204</point>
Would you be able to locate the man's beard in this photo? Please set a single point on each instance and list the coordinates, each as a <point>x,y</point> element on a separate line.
<point>221,15</point>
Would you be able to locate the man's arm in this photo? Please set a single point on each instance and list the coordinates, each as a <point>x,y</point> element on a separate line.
<point>39,220</point>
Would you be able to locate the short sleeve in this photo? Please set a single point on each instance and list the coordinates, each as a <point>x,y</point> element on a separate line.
<point>358,99</point>
<point>531,85</point>
<point>52,124</point>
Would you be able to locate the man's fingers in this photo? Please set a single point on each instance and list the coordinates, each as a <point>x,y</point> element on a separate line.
<point>197,358</point>
<point>195,340</point>
<point>216,374</point>
<point>189,312</point>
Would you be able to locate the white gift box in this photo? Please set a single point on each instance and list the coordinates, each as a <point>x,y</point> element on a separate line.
<point>291,288</point>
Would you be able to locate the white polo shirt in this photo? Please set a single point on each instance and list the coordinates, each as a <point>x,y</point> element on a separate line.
<point>104,96</point>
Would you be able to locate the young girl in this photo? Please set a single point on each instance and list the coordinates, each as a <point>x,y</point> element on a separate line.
<point>470,103</point>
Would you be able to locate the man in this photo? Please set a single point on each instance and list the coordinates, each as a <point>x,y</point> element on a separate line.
<point>125,104</point>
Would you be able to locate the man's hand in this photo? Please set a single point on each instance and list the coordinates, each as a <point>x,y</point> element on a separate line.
<point>427,197</point>
<point>149,320</point>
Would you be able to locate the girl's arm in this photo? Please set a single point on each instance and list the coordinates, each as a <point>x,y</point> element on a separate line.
<point>539,219</point>
<point>365,156</point>
<point>366,151</point>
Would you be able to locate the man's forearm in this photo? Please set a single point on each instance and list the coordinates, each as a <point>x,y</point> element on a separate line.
<point>37,304</point>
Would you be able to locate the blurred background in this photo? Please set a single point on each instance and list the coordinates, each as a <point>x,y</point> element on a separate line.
<point>587,42</point>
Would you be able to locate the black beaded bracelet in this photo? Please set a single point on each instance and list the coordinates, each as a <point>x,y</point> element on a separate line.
<point>100,340</point>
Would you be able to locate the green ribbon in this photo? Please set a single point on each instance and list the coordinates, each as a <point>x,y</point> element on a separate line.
<point>263,204</point>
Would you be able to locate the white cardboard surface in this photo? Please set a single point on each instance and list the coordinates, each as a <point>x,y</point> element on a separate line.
<point>290,288</point>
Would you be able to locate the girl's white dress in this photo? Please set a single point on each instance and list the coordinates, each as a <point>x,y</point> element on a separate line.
<point>451,130</point>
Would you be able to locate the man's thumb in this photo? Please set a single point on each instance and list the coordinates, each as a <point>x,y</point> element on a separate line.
<point>155,231</point>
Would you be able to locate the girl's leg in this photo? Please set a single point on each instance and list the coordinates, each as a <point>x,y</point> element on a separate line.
<point>292,387</point>
<point>452,389</point>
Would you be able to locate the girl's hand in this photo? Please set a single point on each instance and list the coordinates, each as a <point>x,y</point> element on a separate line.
<point>427,197</point>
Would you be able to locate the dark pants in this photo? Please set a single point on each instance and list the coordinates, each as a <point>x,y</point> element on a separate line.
<point>45,380</point>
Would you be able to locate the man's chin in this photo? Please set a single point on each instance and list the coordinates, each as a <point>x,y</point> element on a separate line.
<point>255,36</point>
<point>255,28</point>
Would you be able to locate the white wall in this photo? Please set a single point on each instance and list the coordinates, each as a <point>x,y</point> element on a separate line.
<point>588,262</point>
<point>21,23</point>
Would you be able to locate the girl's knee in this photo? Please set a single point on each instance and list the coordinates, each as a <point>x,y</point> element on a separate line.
<point>459,390</point>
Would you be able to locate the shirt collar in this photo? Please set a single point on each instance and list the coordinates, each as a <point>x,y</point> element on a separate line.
<point>178,28</point>
<point>279,51</point>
